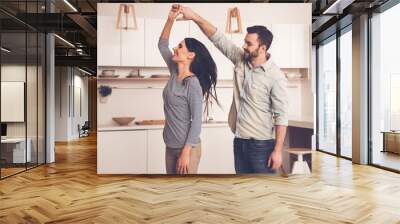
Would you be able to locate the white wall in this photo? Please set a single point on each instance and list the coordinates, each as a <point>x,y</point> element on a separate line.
<point>61,103</point>
<point>68,83</point>
<point>15,72</point>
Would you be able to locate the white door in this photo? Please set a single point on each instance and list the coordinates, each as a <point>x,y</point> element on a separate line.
<point>122,152</point>
<point>132,45</point>
<point>156,152</point>
<point>108,36</point>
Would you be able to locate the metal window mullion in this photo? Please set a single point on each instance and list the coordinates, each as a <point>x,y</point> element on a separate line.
<point>317,96</point>
<point>26,89</point>
<point>338,96</point>
<point>369,90</point>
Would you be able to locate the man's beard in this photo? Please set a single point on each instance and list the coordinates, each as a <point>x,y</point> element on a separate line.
<point>249,56</point>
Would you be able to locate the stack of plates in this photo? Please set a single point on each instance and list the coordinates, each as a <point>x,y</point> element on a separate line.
<point>134,76</point>
<point>108,74</point>
<point>157,76</point>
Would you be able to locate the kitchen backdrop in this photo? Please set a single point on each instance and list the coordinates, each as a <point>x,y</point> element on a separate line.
<point>132,74</point>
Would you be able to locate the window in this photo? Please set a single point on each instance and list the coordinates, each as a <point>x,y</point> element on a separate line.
<point>327,96</point>
<point>346,93</point>
<point>385,89</point>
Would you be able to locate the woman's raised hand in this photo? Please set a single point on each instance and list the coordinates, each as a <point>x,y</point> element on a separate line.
<point>174,12</point>
<point>187,13</point>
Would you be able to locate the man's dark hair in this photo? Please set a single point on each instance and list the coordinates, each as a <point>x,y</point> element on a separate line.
<point>264,35</point>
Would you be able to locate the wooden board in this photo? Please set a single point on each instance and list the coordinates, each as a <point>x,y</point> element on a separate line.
<point>150,122</point>
<point>160,76</point>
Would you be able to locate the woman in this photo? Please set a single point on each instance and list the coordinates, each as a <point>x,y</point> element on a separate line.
<point>193,77</point>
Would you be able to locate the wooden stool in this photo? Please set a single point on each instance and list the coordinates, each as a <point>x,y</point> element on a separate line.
<point>300,166</point>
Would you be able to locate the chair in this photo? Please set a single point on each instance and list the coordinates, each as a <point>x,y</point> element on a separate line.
<point>300,166</point>
<point>84,130</point>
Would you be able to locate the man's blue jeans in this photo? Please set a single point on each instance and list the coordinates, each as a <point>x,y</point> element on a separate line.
<point>251,156</point>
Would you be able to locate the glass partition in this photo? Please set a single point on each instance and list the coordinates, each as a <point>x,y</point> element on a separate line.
<point>13,103</point>
<point>22,88</point>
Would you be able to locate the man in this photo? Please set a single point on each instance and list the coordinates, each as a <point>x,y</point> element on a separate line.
<point>258,114</point>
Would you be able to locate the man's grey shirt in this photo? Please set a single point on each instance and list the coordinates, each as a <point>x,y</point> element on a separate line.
<point>260,97</point>
<point>183,105</point>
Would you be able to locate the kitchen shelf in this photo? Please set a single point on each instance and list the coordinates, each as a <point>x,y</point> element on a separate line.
<point>132,79</point>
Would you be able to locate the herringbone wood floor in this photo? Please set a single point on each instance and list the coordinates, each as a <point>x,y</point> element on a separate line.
<point>69,191</point>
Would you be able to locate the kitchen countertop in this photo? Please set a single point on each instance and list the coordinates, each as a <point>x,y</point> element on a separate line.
<point>292,123</point>
<point>151,127</point>
<point>301,124</point>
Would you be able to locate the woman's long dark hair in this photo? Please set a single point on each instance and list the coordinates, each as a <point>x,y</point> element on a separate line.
<point>204,67</point>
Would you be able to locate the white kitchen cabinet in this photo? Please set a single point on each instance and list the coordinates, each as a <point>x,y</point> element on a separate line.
<point>295,101</point>
<point>238,38</point>
<point>152,34</point>
<point>224,65</point>
<point>281,47</point>
<point>300,46</point>
<point>180,30</point>
<point>216,151</point>
<point>143,151</point>
<point>195,32</point>
<point>122,152</point>
<point>132,45</point>
<point>291,45</point>
<point>108,36</point>
<point>155,152</point>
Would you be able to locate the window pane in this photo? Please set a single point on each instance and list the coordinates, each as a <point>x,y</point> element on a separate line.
<point>346,94</point>
<point>327,97</point>
<point>385,89</point>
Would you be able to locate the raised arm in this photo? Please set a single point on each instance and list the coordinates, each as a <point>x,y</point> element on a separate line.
<point>163,43</point>
<point>226,46</point>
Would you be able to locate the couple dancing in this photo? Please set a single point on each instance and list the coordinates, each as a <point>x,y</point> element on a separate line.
<point>258,114</point>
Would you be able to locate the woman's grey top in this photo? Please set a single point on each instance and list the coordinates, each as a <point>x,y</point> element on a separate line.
<point>183,105</point>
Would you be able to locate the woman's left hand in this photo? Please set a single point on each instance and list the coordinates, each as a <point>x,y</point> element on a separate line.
<point>174,11</point>
<point>182,165</point>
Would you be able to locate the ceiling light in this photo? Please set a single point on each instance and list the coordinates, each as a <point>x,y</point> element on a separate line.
<point>338,6</point>
<point>84,71</point>
<point>65,41</point>
<point>70,5</point>
<point>5,50</point>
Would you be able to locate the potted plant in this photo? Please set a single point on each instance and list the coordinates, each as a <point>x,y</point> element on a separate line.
<point>104,92</point>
